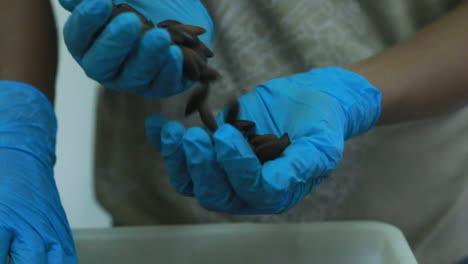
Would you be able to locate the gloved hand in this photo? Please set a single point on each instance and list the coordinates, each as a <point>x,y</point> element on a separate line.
<point>119,58</point>
<point>33,224</point>
<point>319,110</point>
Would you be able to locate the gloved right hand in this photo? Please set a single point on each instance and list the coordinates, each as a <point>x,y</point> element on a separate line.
<point>114,54</point>
<point>319,109</point>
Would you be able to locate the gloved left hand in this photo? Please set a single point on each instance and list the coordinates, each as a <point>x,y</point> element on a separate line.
<point>33,224</point>
<point>319,110</point>
<point>117,56</point>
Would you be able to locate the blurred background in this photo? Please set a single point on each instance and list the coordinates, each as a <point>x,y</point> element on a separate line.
<point>75,108</point>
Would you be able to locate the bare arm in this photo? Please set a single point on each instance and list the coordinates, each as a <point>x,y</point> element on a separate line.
<point>425,74</point>
<point>28,50</point>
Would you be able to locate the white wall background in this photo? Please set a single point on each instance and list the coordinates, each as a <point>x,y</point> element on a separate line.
<point>75,108</point>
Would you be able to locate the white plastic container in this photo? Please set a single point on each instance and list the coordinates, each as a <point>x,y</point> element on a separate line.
<point>323,243</point>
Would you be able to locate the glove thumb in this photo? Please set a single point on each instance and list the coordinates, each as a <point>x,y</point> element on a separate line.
<point>154,124</point>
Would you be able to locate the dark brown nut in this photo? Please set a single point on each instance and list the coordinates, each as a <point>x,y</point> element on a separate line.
<point>196,31</point>
<point>251,136</point>
<point>198,101</point>
<point>209,74</point>
<point>201,54</point>
<point>187,35</point>
<point>181,37</point>
<point>191,28</point>
<point>196,98</point>
<point>195,67</point>
<point>168,23</point>
<point>259,140</point>
<point>207,116</point>
<point>205,50</point>
<point>124,8</point>
<point>193,64</point>
<point>272,149</point>
<point>245,126</point>
<point>232,113</point>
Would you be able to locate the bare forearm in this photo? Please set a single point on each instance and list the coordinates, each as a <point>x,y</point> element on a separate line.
<point>28,46</point>
<point>425,74</point>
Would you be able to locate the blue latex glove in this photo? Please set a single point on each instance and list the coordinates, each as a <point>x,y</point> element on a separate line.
<point>319,110</point>
<point>119,58</point>
<point>33,224</point>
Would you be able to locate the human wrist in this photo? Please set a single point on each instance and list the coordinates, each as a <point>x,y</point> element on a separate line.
<point>27,121</point>
<point>374,69</point>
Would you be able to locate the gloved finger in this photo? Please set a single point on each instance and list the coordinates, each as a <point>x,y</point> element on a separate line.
<point>273,188</point>
<point>26,245</point>
<point>5,240</point>
<point>69,4</point>
<point>210,184</point>
<point>57,255</point>
<point>81,27</point>
<point>154,124</point>
<point>103,60</point>
<point>244,170</point>
<point>174,157</point>
<point>166,136</point>
<point>304,164</point>
<point>28,248</point>
<point>171,76</point>
<point>140,70</point>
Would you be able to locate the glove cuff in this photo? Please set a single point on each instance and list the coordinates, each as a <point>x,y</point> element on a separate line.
<point>27,121</point>
<point>359,99</point>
